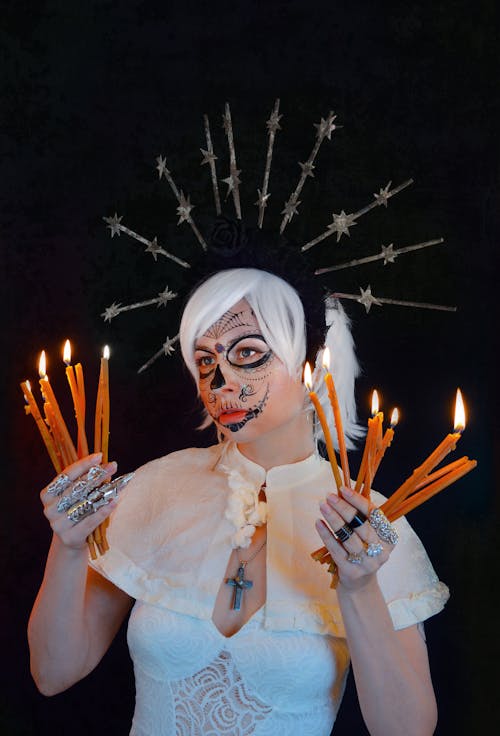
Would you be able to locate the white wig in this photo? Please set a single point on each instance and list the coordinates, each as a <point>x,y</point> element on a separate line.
<point>280,314</point>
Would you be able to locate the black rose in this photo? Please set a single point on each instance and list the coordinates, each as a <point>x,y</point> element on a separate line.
<point>227,237</point>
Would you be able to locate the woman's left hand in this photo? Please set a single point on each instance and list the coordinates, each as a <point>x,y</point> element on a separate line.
<point>364,551</point>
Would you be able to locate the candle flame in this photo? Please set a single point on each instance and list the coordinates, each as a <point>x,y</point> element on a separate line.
<point>459,412</point>
<point>307,376</point>
<point>105,352</point>
<point>394,417</point>
<point>42,365</point>
<point>326,358</point>
<point>375,403</point>
<point>67,352</point>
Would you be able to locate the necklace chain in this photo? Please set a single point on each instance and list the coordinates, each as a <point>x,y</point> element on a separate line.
<point>244,563</point>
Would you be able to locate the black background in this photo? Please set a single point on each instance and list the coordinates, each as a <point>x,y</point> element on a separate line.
<point>91,94</point>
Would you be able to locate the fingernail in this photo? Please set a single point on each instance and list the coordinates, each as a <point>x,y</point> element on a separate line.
<point>347,491</point>
<point>333,498</point>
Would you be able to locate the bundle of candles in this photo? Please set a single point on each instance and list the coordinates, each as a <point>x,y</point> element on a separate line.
<point>53,428</point>
<point>422,484</point>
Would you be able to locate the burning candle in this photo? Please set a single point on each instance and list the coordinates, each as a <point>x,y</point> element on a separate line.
<point>368,443</point>
<point>386,441</point>
<point>373,443</point>
<point>58,425</point>
<point>332,394</point>
<point>324,425</point>
<point>101,434</point>
<point>76,386</point>
<point>423,486</point>
<point>446,446</point>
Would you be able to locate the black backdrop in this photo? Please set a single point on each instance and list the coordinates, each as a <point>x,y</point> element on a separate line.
<point>91,95</point>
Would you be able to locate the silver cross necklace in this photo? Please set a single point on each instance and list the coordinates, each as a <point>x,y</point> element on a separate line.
<point>239,583</point>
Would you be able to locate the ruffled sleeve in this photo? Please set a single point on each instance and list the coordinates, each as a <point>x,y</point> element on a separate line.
<point>409,583</point>
<point>160,529</point>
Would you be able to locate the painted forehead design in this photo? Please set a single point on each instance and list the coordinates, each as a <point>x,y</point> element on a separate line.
<point>229,321</point>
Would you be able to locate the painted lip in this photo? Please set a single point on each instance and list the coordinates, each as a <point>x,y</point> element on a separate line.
<point>233,416</point>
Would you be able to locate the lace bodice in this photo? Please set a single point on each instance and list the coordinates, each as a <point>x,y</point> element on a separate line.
<point>193,681</point>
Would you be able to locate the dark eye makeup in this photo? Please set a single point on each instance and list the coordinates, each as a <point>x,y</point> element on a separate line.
<point>246,352</point>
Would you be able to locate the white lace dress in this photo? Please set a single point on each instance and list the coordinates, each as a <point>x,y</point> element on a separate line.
<point>191,680</point>
<point>284,672</point>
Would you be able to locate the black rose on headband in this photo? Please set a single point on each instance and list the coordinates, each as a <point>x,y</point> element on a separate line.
<point>227,237</point>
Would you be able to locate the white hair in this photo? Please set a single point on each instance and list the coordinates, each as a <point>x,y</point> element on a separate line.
<point>280,314</point>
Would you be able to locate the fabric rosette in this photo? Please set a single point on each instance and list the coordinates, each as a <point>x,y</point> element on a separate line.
<point>244,510</point>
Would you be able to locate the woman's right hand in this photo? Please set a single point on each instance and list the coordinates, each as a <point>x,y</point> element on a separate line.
<point>70,534</point>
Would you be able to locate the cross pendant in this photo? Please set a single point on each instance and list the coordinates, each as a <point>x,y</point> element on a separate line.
<point>239,584</point>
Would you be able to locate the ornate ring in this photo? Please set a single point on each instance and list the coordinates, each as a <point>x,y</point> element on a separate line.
<point>81,487</point>
<point>79,511</point>
<point>76,511</point>
<point>356,559</point>
<point>65,503</point>
<point>383,527</point>
<point>344,533</point>
<point>59,485</point>
<point>373,549</point>
<point>358,520</point>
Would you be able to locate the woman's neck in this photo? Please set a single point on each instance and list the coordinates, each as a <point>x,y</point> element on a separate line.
<point>286,445</point>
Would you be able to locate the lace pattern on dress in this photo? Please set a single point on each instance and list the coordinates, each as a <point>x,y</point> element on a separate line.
<point>214,702</point>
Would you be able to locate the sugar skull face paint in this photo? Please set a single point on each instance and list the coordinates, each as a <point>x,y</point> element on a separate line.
<point>245,388</point>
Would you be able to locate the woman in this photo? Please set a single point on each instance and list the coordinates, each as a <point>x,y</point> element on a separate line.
<point>235,629</point>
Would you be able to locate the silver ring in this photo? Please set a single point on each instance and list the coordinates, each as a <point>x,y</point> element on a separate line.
<point>356,559</point>
<point>379,521</point>
<point>344,533</point>
<point>99,497</point>
<point>373,549</point>
<point>81,487</point>
<point>65,503</point>
<point>59,485</point>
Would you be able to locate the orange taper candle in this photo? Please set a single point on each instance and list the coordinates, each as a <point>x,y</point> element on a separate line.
<point>78,404</point>
<point>324,425</point>
<point>42,427</point>
<point>50,397</point>
<point>375,442</point>
<point>101,434</point>
<point>386,441</point>
<point>440,472</point>
<point>394,512</point>
<point>332,395</point>
<point>51,423</point>
<point>446,446</point>
<point>366,451</point>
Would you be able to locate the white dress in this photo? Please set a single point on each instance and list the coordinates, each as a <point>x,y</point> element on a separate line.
<point>284,672</point>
